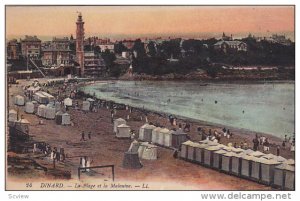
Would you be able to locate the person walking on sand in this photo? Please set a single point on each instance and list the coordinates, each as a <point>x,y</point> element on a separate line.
<point>82,136</point>
<point>278,150</point>
<point>90,135</point>
<point>283,145</point>
<point>266,145</point>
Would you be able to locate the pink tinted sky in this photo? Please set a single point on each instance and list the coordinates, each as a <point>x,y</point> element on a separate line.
<point>60,20</point>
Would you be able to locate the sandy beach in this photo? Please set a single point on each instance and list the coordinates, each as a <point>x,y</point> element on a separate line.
<point>105,149</point>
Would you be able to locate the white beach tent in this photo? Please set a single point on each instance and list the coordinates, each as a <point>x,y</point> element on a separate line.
<point>12,116</point>
<point>58,117</point>
<point>217,159</point>
<point>191,151</point>
<point>236,163</point>
<point>19,100</point>
<point>40,98</point>
<point>199,152</point>
<point>267,169</point>
<point>184,149</point>
<point>290,162</point>
<point>41,112</point>
<point>33,89</point>
<point>123,131</point>
<point>57,106</point>
<point>148,133</point>
<point>208,155</point>
<point>284,177</point>
<point>118,122</point>
<point>49,97</point>
<point>23,125</point>
<point>257,154</point>
<point>226,161</point>
<point>68,102</point>
<point>161,136</point>
<point>50,112</point>
<point>178,137</point>
<point>155,134</point>
<point>29,107</point>
<point>148,151</point>
<point>86,105</point>
<point>245,165</point>
<point>256,168</point>
<point>65,119</point>
<point>141,131</point>
<point>167,137</point>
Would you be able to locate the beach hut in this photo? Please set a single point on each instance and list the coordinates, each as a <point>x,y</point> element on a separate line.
<point>57,106</point>
<point>226,161</point>
<point>141,131</point>
<point>58,117</point>
<point>29,108</point>
<point>290,162</point>
<point>161,136</point>
<point>50,98</point>
<point>12,116</point>
<point>199,152</point>
<point>178,137</point>
<point>236,163</point>
<point>19,100</point>
<point>148,133</point>
<point>123,131</point>
<point>22,125</point>
<point>191,151</point>
<point>208,155</point>
<point>86,105</point>
<point>41,111</point>
<point>50,112</point>
<point>267,168</point>
<point>68,102</point>
<point>257,154</point>
<point>155,135</point>
<point>167,137</point>
<point>217,159</point>
<point>256,168</point>
<point>284,177</point>
<point>65,119</point>
<point>184,149</point>
<point>40,98</point>
<point>246,165</point>
<point>118,122</point>
<point>148,151</point>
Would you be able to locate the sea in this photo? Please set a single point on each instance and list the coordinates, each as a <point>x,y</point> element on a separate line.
<point>265,107</point>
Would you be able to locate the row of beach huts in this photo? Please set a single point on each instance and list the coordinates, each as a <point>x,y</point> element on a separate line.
<point>267,169</point>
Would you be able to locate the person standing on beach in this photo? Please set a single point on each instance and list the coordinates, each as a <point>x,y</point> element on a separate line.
<point>90,135</point>
<point>82,136</point>
<point>278,150</point>
<point>266,145</point>
<point>255,143</point>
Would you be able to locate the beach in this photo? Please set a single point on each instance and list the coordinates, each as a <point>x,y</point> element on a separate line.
<point>105,149</point>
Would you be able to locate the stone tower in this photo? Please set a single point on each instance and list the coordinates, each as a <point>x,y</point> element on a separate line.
<point>79,43</point>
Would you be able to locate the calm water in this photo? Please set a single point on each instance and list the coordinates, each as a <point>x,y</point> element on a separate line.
<point>267,108</point>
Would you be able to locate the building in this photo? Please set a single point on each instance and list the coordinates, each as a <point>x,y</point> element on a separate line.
<point>281,39</point>
<point>79,43</point>
<point>108,46</point>
<point>13,49</point>
<point>57,52</point>
<point>31,46</point>
<point>94,65</point>
<point>227,46</point>
<point>128,44</point>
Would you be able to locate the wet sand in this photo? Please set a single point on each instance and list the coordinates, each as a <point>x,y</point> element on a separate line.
<point>105,149</point>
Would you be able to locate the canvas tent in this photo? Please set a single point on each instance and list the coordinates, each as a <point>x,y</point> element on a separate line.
<point>217,159</point>
<point>12,116</point>
<point>284,177</point>
<point>58,117</point>
<point>245,165</point>
<point>199,152</point>
<point>22,125</point>
<point>123,131</point>
<point>256,168</point>
<point>148,133</point>
<point>86,105</point>
<point>167,137</point>
<point>68,102</point>
<point>141,131</point>
<point>50,113</point>
<point>208,154</point>
<point>65,119</point>
<point>29,107</point>
<point>40,98</point>
<point>178,137</point>
<point>33,89</point>
<point>290,162</point>
<point>41,111</point>
<point>267,168</point>
<point>155,134</point>
<point>147,151</point>
<point>184,149</point>
<point>57,106</point>
<point>257,154</point>
<point>49,97</point>
<point>226,161</point>
<point>118,122</point>
<point>19,100</point>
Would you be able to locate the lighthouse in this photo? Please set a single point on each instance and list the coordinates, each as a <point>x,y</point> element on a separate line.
<point>79,43</point>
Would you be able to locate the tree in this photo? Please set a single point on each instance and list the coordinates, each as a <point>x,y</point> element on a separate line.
<point>119,48</point>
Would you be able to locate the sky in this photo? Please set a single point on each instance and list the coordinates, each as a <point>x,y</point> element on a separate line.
<point>149,20</point>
